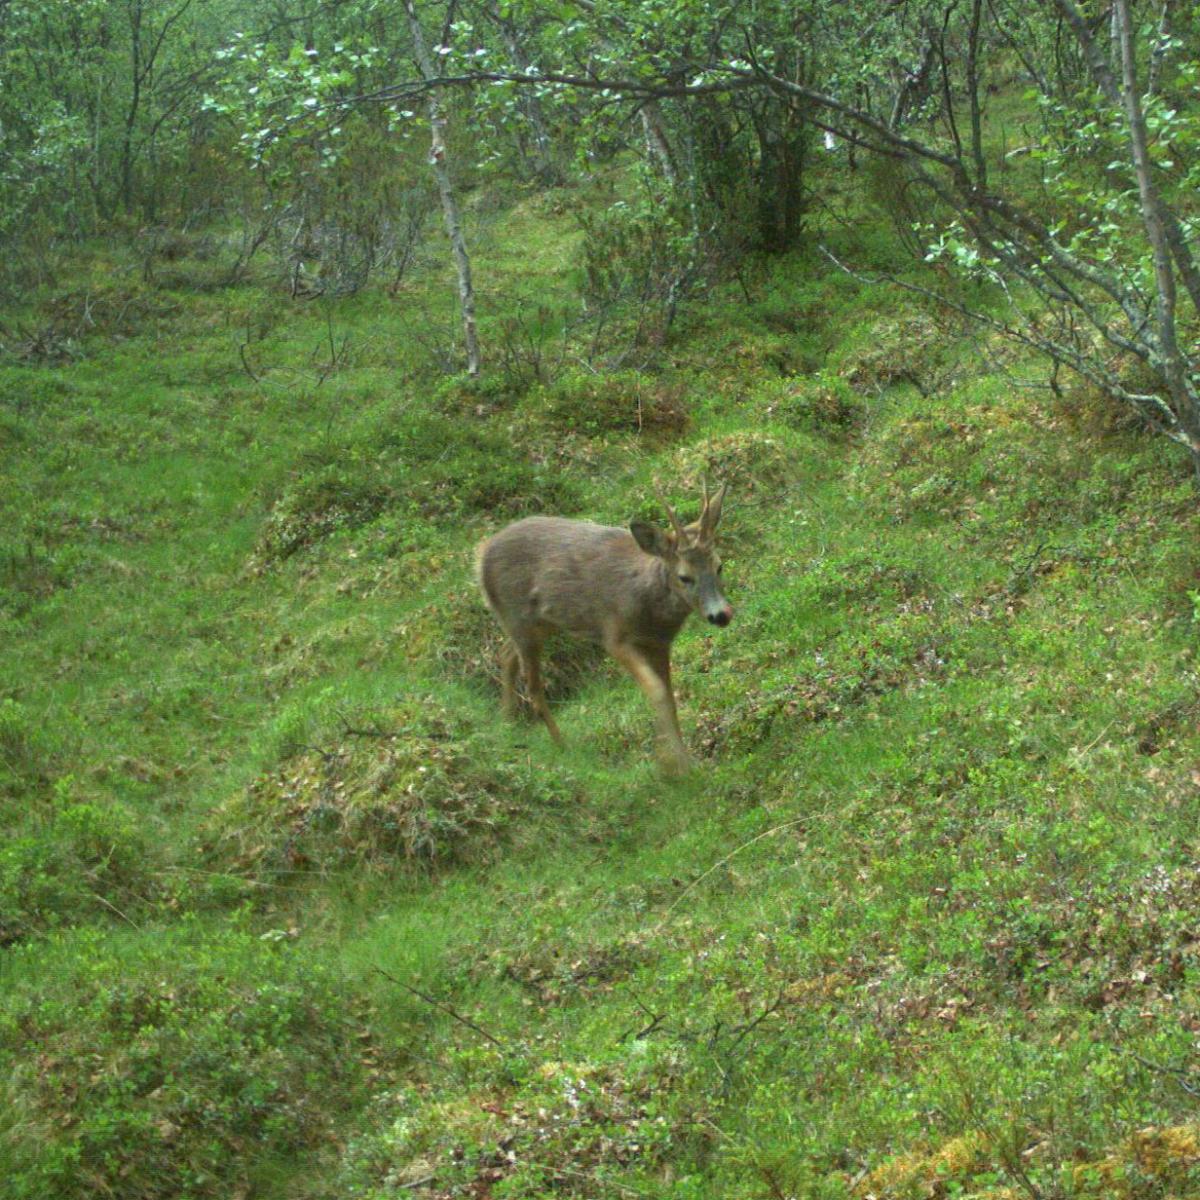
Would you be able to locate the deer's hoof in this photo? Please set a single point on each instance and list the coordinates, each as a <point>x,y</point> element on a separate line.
<point>677,764</point>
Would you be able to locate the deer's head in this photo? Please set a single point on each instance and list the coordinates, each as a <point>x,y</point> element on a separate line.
<point>690,554</point>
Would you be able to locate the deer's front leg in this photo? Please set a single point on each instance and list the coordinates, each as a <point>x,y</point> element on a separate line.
<point>651,668</point>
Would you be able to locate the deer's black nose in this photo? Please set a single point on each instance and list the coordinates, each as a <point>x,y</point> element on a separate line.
<point>722,617</point>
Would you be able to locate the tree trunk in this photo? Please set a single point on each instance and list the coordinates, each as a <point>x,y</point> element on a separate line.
<point>782,150</point>
<point>135,97</point>
<point>1173,365</point>
<point>441,173</point>
<point>544,166</point>
<point>658,145</point>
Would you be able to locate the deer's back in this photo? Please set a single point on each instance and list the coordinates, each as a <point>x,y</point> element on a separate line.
<point>569,575</point>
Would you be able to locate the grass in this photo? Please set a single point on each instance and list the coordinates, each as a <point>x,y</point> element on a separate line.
<point>289,911</point>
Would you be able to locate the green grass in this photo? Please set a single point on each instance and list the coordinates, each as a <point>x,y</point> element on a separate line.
<point>289,911</point>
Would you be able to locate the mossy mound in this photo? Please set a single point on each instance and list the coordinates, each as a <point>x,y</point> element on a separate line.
<point>1153,1162</point>
<point>612,402</point>
<point>916,348</point>
<point>401,784</point>
<point>569,1129</point>
<point>932,1173</point>
<point>754,463</point>
<point>823,403</point>
<point>317,505</point>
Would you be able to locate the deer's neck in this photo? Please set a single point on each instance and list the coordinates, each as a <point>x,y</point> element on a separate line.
<point>665,610</point>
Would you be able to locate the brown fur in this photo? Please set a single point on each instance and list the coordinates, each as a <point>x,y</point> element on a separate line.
<point>629,591</point>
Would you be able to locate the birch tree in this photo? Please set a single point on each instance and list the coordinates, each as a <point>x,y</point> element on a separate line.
<point>1093,255</point>
<point>441,172</point>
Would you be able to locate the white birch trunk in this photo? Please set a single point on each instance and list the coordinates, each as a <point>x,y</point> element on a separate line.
<point>1172,363</point>
<point>658,145</point>
<point>441,173</point>
<point>543,152</point>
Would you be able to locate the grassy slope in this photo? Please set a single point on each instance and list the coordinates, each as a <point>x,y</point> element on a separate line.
<point>921,924</point>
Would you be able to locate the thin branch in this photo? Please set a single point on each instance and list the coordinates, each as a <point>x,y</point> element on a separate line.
<point>947,93</point>
<point>1176,1074</point>
<point>113,908</point>
<point>1030,336</point>
<point>450,1012</point>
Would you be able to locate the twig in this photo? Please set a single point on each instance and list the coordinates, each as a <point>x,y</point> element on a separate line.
<point>327,756</point>
<point>656,1020</point>
<point>109,905</point>
<point>1078,756</point>
<point>408,987</point>
<point>720,863</point>
<point>246,364</point>
<point>1176,1073</point>
<point>742,1033</point>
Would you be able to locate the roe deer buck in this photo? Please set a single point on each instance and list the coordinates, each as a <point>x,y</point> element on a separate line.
<point>630,590</point>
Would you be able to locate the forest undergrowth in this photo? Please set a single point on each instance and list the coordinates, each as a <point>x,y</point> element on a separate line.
<point>287,909</point>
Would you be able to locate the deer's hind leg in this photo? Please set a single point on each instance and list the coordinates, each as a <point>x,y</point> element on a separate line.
<point>510,666</point>
<point>529,648</point>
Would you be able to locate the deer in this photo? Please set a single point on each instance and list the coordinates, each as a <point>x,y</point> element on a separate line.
<point>630,590</point>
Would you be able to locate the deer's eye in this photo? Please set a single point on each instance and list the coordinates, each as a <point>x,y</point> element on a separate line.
<point>686,579</point>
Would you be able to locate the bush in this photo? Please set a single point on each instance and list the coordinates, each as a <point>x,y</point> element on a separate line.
<point>170,1078</point>
<point>640,259</point>
<point>73,865</point>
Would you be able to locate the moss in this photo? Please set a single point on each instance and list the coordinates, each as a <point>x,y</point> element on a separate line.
<point>612,403</point>
<point>405,785</point>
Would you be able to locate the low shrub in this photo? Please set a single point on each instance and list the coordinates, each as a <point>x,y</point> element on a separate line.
<point>166,1079</point>
<point>28,751</point>
<point>32,574</point>
<point>84,859</point>
<point>613,402</point>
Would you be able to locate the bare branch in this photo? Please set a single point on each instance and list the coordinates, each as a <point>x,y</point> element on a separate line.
<point>450,1012</point>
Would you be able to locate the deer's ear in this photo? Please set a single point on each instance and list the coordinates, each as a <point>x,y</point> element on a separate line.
<point>651,539</point>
